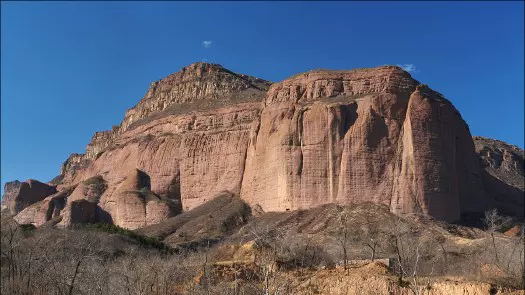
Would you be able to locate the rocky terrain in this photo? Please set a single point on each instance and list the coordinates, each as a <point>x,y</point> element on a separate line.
<point>503,173</point>
<point>321,137</point>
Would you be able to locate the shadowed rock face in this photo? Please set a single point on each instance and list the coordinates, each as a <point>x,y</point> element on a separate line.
<point>503,174</point>
<point>319,137</point>
<point>80,205</point>
<point>43,211</point>
<point>19,195</point>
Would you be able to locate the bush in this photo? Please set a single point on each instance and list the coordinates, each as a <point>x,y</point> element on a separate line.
<point>95,180</point>
<point>166,134</point>
<point>115,229</point>
<point>305,256</point>
<point>27,227</point>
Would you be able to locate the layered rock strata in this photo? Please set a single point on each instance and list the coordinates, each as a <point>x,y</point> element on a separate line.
<point>363,135</point>
<point>318,137</point>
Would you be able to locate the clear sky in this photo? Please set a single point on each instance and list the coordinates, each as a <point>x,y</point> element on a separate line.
<point>69,69</point>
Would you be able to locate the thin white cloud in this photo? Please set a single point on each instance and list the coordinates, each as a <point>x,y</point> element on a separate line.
<point>206,44</point>
<point>411,68</point>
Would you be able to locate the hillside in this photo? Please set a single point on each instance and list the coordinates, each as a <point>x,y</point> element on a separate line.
<point>223,247</point>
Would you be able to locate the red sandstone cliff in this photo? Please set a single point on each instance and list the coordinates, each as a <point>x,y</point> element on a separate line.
<point>362,135</point>
<point>319,137</point>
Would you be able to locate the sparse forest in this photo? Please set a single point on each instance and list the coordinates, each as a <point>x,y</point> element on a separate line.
<point>276,253</point>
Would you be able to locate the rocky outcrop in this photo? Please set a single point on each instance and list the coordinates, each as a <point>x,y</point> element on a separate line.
<point>191,150</point>
<point>503,161</point>
<point>436,170</point>
<point>36,214</point>
<point>133,205</point>
<point>319,137</point>
<point>19,195</point>
<point>503,174</point>
<point>100,141</point>
<point>43,211</point>
<point>81,204</point>
<point>11,189</point>
<point>210,84</point>
<point>68,171</point>
<point>212,220</point>
<point>78,211</point>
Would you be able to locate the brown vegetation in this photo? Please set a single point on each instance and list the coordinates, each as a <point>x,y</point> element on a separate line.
<point>229,251</point>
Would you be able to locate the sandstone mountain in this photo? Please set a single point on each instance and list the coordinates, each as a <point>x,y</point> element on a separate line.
<point>365,135</point>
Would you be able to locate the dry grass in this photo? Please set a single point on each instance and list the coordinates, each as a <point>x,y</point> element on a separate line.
<point>223,249</point>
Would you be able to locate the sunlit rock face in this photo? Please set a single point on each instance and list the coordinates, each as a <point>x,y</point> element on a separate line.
<point>318,137</point>
<point>356,136</point>
<point>11,189</point>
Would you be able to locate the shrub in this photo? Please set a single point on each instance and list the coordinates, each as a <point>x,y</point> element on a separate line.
<point>166,134</point>
<point>27,227</point>
<point>94,180</point>
<point>115,229</point>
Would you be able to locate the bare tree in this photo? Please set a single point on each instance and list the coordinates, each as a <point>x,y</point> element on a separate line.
<point>272,251</point>
<point>517,241</point>
<point>369,233</point>
<point>85,251</point>
<point>414,248</point>
<point>267,242</point>
<point>343,235</point>
<point>441,240</point>
<point>18,247</point>
<point>11,237</point>
<point>513,252</point>
<point>494,223</point>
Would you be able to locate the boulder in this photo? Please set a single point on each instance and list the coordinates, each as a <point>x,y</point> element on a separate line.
<point>133,205</point>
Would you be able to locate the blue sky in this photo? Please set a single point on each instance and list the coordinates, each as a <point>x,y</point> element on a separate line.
<point>72,68</point>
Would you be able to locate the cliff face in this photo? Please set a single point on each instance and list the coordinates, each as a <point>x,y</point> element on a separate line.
<point>503,174</point>
<point>19,195</point>
<point>189,134</point>
<point>356,136</point>
<point>319,137</point>
<point>11,189</point>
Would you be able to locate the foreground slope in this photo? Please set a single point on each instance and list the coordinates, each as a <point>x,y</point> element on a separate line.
<point>221,247</point>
